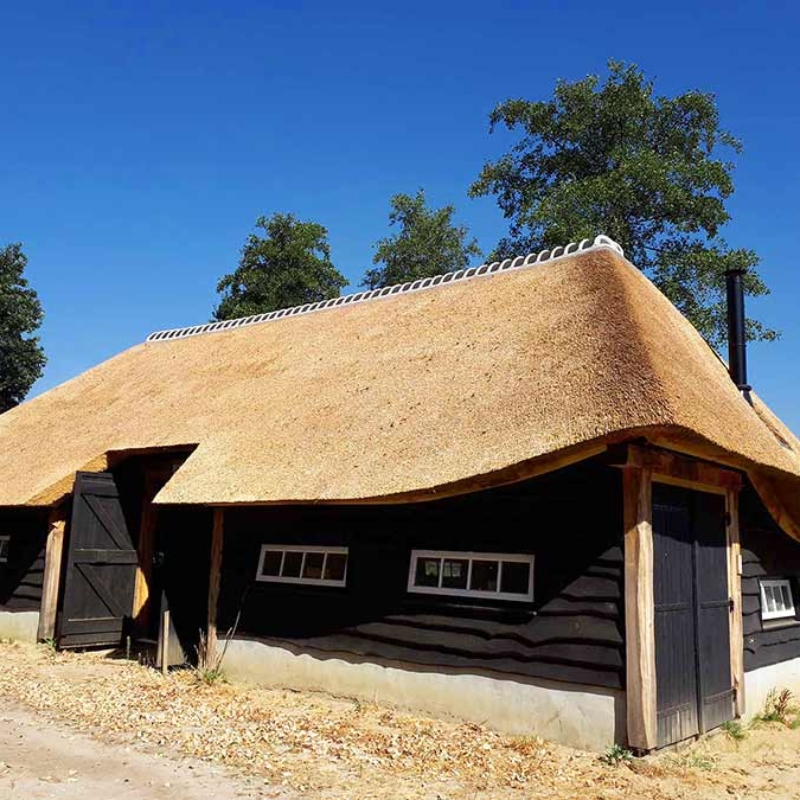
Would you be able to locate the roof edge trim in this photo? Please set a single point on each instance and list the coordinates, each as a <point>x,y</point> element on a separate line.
<point>421,284</point>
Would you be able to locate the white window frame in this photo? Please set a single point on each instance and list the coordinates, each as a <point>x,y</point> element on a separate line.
<point>304,549</point>
<point>785,613</point>
<point>4,556</point>
<point>520,558</point>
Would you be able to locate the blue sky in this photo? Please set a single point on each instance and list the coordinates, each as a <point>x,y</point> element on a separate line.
<point>141,140</point>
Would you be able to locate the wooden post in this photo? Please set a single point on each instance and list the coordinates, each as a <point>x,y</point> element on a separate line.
<point>735,590</point>
<point>164,642</point>
<point>640,643</point>
<point>213,588</point>
<point>52,572</point>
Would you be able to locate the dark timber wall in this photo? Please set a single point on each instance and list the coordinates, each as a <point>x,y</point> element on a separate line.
<point>767,552</point>
<point>22,576</point>
<point>573,630</point>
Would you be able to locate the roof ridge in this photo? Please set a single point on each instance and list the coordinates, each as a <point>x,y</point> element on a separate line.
<point>601,241</point>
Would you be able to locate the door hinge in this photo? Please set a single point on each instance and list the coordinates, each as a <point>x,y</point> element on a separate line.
<point>731,605</point>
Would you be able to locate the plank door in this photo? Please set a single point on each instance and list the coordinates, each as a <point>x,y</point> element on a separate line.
<point>673,593</point>
<point>713,611</point>
<point>694,687</point>
<point>101,566</point>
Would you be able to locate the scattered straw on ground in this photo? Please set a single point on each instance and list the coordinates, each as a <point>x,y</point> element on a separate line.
<point>332,748</point>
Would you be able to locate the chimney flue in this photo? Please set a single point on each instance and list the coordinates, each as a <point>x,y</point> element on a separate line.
<point>737,337</point>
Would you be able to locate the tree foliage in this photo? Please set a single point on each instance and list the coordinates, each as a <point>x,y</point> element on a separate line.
<point>615,158</point>
<point>22,358</point>
<point>426,243</point>
<point>289,265</point>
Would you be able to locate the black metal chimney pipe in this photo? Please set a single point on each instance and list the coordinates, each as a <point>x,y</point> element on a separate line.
<point>737,338</point>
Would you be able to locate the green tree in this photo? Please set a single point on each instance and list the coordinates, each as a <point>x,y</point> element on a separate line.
<point>22,358</point>
<point>615,158</point>
<point>427,243</point>
<point>289,265</point>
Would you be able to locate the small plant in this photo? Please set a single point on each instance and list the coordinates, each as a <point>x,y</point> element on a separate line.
<point>616,755</point>
<point>734,730</point>
<point>778,707</point>
<point>698,761</point>
<point>50,644</point>
<point>209,676</point>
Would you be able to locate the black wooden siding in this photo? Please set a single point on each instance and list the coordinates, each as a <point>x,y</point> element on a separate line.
<point>22,576</point>
<point>573,631</point>
<point>767,552</point>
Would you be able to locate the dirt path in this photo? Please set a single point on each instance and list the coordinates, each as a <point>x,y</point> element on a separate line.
<point>44,759</point>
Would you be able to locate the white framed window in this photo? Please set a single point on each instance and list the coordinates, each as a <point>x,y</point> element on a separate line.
<point>5,543</point>
<point>495,576</point>
<point>290,563</point>
<point>776,599</point>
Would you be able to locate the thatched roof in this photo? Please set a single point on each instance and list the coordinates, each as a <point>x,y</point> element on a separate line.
<point>475,379</point>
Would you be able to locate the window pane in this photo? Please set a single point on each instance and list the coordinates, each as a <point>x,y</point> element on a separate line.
<point>484,576</point>
<point>427,572</point>
<point>787,597</point>
<point>313,566</point>
<point>291,564</point>
<point>454,573</point>
<point>515,577</point>
<point>334,566</point>
<point>770,597</point>
<point>272,562</point>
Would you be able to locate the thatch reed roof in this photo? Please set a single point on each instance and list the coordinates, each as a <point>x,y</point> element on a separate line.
<point>472,381</point>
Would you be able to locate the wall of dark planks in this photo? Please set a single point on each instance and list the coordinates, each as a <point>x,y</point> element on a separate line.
<point>767,552</point>
<point>572,632</point>
<point>22,576</point>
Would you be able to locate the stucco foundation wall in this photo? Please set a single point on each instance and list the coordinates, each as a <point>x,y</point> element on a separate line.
<point>22,626</point>
<point>759,683</point>
<point>586,717</point>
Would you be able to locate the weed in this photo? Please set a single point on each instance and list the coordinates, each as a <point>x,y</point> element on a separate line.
<point>778,707</point>
<point>734,730</point>
<point>698,761</point>
<point>616,755</point>
<point>51,645</point>
<point>209,676</point>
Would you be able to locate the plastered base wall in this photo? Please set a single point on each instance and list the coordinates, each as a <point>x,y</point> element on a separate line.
<point>759,683</point>
<point>21,626</point>
<point>585,717</point>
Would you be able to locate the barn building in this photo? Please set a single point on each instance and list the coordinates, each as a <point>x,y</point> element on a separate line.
<point>527,494</point>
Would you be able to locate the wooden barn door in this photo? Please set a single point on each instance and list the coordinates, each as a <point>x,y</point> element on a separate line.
<point>101,566</point>
<point>693,673</point>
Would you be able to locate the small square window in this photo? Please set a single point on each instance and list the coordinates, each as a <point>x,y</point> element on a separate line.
<point>271,564</point>
<point>292,564</point>
<point>335,565</point>
<point>777,601</point>
<point>428,571</point>
<point>515,577</point>
<point>454,573</point>
<point>5,544</point>
<point>484,576</point>
<point>312,567</point>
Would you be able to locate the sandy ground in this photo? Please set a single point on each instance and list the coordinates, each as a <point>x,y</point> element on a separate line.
<point>43,759</point>
<point>82,726</point>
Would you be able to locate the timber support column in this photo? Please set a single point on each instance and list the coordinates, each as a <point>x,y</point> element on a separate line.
<point>640,642</point>
<point>54,550</point>
<point>735,591</point>
<point>211,659</point>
